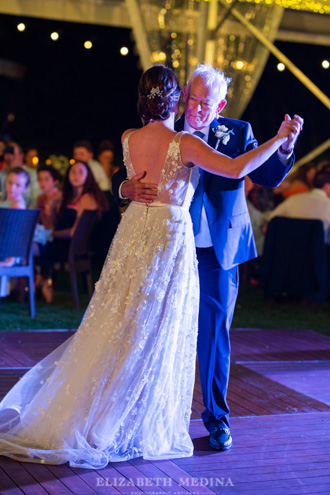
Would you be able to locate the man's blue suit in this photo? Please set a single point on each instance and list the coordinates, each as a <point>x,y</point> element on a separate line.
<point>233,243</point>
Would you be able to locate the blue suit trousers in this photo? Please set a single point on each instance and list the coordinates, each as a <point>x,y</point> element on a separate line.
<point>218,293</point>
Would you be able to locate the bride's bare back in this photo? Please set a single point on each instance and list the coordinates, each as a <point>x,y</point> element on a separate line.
<point>148,149</point>
<point>172,176</point>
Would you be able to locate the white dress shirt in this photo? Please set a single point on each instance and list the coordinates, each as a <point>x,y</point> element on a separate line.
<point>99,175</point>
<point>313,204</point>
<point>203,238</point>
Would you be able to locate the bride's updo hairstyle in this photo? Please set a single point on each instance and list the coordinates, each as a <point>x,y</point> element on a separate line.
<point>159,92</point>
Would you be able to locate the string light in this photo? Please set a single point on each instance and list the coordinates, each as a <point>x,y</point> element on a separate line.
<point>325,64</point>
<point>54,36</point>
<point>280,67</point>
<point>124,50</point>
<point>158,57</point>
<point>88,45</point>
<point>317,6</point>
<point>21,26</point>
<point>239,64</point>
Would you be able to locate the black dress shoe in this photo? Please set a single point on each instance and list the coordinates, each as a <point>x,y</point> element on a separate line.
<point>220,438</point>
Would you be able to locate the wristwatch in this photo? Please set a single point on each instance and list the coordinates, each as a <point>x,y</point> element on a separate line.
<point>285,152</point>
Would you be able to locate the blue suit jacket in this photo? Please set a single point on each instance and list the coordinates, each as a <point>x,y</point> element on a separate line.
<point>224,199</point>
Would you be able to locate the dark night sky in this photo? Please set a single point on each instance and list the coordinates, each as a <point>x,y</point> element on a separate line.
<point>281,92</point>
<point>67,92</point>
<point>70,93</point>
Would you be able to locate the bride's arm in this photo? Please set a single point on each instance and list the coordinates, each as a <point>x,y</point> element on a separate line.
<point>195,151</point>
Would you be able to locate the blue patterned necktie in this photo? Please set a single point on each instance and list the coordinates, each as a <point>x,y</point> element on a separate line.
<point>199,134</point>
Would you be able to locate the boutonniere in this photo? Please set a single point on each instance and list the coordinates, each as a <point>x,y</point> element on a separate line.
<point>223,134</point>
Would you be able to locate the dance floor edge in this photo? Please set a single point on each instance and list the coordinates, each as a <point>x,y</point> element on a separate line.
<point>280,421</point>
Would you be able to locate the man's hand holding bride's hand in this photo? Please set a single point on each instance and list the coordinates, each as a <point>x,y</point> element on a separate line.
<point>290,128</point>
<point>135,190</point>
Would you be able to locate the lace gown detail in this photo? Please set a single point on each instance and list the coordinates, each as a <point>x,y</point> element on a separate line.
<point>121,386</point>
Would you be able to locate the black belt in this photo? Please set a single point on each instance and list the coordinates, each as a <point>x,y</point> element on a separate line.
<point>204,250</point>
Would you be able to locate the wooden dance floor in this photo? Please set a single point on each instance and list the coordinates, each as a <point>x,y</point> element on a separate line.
<point>279,395</point>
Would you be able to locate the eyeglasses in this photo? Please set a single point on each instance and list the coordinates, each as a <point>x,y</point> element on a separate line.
<point>205,104</point>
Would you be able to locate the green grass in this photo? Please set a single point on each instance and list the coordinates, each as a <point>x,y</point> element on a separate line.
<point>252,311</point>
<point>60,314</point>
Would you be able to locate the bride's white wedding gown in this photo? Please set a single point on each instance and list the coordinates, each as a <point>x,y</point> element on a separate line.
<point>121,386</point>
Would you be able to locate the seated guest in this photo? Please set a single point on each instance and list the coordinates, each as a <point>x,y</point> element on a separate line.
<point>14,157</point>
<point>314,204</point>
<point>299,181</point>
<point>49,200</point>
<point>31,160</point>
<point>80,192</point>
<point>262,198</point>
<point>106,153</point>
<point>16,184</point>
<point>31,157</point>
<point>82,151</point>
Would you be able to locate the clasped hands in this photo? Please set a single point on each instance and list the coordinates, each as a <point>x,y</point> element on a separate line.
<point>293,128</point>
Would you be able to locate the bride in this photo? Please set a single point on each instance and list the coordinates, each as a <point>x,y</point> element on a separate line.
<point>121,386</point>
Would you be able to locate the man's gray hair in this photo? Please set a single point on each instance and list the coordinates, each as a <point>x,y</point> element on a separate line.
<point>211,77</point>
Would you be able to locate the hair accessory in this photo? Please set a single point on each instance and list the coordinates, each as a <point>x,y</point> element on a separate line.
<point>155,92</point>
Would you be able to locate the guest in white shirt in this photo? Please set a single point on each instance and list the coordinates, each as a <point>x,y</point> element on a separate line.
<point>314,204</point>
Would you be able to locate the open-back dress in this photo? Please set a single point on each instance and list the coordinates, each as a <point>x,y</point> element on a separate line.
<point>121,386</point>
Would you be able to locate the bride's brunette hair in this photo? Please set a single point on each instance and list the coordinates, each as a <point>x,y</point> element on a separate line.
<point>159,92</point>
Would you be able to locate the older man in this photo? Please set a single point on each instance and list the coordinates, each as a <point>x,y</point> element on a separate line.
<point>223,232</point>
